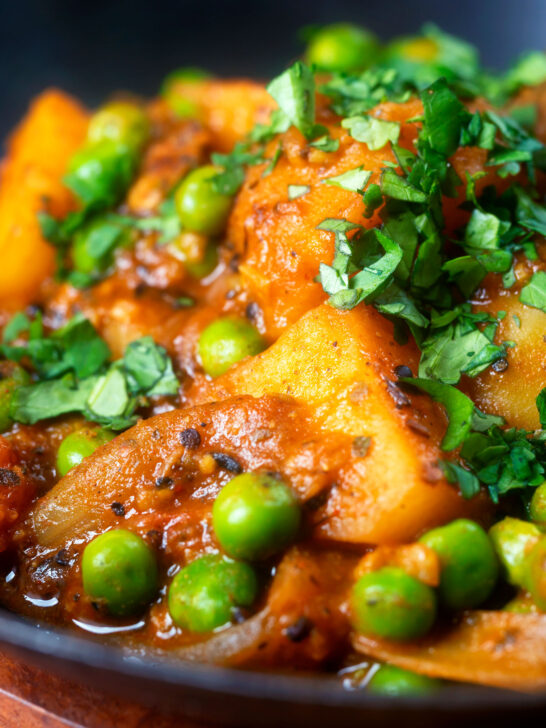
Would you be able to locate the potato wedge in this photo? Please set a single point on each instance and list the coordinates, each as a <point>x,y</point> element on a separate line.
<point>503,649</point>
<point>31,181</point>
<point>342,366</point>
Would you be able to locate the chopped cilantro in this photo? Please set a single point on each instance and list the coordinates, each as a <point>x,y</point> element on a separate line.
<point>374,271</point>
<point>444,117</point>
<point>295,191</point>
<point>397,187</point>
<point>541,406</point>
<point>354,180</point>
<point>375,133</point>
<point>373,199</point>
<point>325,143</point>
<point>294,91</point>
<point>74,374</point>
<point>228,181</point>
<point>469,483</point>
<point>459,409</point>
<point>534,293</point>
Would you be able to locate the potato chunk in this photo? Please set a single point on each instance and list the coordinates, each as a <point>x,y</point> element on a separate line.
<point>342,366</point>
<point>31,181</point>
<point>511,392</point>
<point>489,648</point>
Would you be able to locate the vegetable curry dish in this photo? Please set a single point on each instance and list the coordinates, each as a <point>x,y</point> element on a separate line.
<point>273,366</point>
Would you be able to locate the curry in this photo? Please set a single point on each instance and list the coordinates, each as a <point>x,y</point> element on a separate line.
<point>273,366</point>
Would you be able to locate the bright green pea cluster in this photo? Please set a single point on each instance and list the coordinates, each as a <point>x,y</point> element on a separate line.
<point>203,594</point>
<point>391,604</point>
<point>119,572</point>
<point>225,342</point>
<point>79,445</point>
<point>254,516</point>
<point>11,377</point>
<point>342,47</point>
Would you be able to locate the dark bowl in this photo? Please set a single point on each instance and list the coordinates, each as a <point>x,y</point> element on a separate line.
<point>90,48</point>
<point>239,698</point>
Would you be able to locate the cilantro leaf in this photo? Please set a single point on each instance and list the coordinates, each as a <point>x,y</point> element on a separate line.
<point>325,144</point>
<point>399,188</point>
<point>76,376</point>
<point>295,191</point>
<point>148,368</point>
<point>232,176</point>
<point>109,399</point>
<point>294,92</point>
<point>505,460</point>
<point>374,272</point>
<point>16,325</point>
<point>373,199</point>
<point>449,354</point>
<point>534,293</point>
<point>47,399</point>
<point>468,482</point>
<point>445,116</point>
<point>459,409</point>
<point>541,407</point>
<point>354,180</point>
<point>373,132</point>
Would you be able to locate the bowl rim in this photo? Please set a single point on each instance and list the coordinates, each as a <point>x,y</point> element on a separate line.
<point>41,641</point>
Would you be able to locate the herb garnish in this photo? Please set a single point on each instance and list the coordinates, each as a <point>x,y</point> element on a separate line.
<point>73,373</point>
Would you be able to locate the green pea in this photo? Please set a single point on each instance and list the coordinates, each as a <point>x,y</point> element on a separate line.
<point>536,573</point>
<point>120,121</point>
<point>226,341</point>
<point>342,47</point>
<point>414,49</point>
<point>202,268</point>
<point>520,604</point>
<point>99,174</point>
<point>79,445</point>
<point>537,509</point>
<point>255,516</point>
<point>203,594</point>
<point>119,571</point>
<point>513,540</point>
<point>391,604</point>
<point>12,376</point>
<point>469,565</point>
<point>94,244</point>
<point>172,92</point>
<point>200,207</point>
<point>394,681</point>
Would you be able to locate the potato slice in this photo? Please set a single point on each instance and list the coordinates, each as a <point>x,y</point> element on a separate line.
<point>152,471</point>
<point>503,649</point>
<point>31,176</point>
<point>342,366</point>
<point>512,392</point>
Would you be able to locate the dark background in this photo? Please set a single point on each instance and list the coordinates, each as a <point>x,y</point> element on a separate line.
<point>93,47</point>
